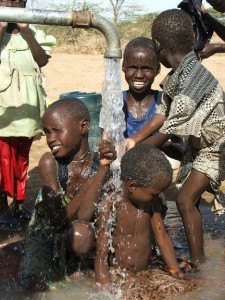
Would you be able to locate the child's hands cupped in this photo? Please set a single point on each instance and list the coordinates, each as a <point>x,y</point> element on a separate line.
<point>107,153</point>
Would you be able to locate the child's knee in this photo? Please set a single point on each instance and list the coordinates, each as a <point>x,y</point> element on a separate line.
<point>80,238</point>
<point>185,203</point>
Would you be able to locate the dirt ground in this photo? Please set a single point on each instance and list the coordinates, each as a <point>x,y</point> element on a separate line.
<point>73,72</point>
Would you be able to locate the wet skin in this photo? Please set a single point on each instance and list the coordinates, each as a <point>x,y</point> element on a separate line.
<point>67,138</point>
<point>135,223</point>
<point>132,235</point>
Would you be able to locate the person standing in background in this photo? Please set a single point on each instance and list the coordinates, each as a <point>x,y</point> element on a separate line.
<point>23,51</point>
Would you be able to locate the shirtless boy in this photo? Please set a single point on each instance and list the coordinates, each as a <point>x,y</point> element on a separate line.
<point>145,173</point>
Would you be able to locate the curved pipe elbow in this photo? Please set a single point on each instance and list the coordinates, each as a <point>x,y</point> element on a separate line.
<point>85,19</point>
<point>109,31</point>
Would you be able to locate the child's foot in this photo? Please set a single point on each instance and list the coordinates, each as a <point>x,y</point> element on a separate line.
<point>187,266</point>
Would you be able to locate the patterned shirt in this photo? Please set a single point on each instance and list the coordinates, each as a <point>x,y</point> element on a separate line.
<point>193,102</point>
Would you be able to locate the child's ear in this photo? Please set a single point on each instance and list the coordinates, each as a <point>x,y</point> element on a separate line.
<point>158,69</point>
<point>123,68</point>
<point>132,186</point>
<point>85,124</point>
<point>158,46</point>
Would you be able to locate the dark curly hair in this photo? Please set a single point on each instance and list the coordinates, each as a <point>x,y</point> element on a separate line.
<point>73,108</point>
<point>173,28</point>
<point>141,43</point>
<point>146,165</point>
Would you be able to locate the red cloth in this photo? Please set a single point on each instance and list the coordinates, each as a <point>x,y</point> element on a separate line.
<point>14,162</point>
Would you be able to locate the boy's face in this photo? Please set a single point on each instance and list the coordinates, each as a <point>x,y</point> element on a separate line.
<point>144,196</point>
<point>218,5</point>
<point>63,133</point>
<point>140,67</point>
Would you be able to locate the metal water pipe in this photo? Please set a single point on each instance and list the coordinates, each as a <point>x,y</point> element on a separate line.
<point>76,19</point>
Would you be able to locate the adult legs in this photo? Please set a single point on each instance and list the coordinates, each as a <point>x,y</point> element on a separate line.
<point>187,204</point>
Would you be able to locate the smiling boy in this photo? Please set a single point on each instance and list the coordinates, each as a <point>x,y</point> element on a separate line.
<point>72,180</point>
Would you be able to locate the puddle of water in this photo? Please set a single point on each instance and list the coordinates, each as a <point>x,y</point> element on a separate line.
<point>212,272</point>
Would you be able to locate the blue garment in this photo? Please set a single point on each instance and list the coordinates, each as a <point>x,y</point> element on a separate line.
<point>133,125</point>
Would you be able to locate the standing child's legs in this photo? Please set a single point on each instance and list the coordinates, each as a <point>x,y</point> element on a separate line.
<point>187,202</point>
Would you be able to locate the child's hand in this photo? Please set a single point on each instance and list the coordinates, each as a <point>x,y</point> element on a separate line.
<point>129,143</point>
<point>203,9</point>
<point>107,153</point>
<point>22,25</point>
<point>3,24</point>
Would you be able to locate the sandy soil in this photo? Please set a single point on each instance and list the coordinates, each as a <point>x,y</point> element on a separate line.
<point>72,72</point>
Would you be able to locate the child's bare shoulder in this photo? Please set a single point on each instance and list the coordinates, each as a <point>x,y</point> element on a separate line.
<point>108,204</point>
<point>47,162</point>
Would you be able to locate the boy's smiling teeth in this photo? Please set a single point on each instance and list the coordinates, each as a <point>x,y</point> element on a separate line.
<point>139,84</point>
<point>55,147</point>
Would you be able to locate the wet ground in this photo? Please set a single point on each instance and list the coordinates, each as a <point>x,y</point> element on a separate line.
<point>213,272</point>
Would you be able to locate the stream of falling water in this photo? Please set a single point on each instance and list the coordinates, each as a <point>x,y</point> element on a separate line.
<point>111,115</point>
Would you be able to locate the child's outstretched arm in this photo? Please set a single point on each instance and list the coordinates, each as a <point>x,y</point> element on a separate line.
<point>157,140</point>
<point>107,154</point>
<point>154,124</point>
<point>165,244</point>
<point>102,274</point>
<point>83,205</point>
<point>37,51</point>
<point>211,49</point>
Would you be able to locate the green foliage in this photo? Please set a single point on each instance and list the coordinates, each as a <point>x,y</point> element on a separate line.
<point>91,41</point>
<point>68,37</point>
<point>141,26</point>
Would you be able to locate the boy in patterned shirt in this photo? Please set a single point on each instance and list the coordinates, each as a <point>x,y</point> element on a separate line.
<point>192,107</point>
